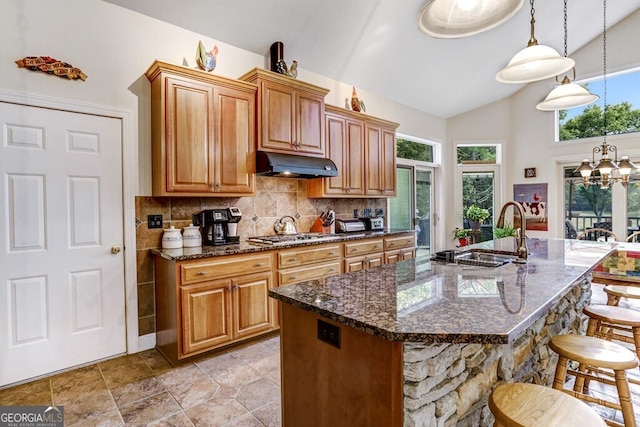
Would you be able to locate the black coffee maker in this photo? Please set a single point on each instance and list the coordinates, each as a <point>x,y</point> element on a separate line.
<point>219,226</point>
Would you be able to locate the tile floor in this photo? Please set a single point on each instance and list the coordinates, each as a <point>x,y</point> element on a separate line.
<point>237,387</point>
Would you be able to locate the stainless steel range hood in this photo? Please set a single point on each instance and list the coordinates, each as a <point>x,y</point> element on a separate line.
<point>290,166</point>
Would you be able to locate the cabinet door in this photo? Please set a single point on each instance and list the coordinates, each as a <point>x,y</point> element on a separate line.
<point>374,260</point>
<point>336,134</point>
<point>388,163</point>
<point>310,124</point>
<point>392,257</point>
<point>235,163</point>
<point>189,136</point>
<point>206,315</point>
<point>408,254</point>
<point>373,160</point>
<point>354,264</point>
<point>251,304</point>
<point>355,158</point>
<point>277,117</point>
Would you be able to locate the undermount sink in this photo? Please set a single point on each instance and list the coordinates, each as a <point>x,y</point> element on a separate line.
<point>484,259</point>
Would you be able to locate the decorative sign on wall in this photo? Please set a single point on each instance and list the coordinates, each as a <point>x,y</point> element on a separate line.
<point>529,172</point>
<point>533,198</point>
<point>52,66</point>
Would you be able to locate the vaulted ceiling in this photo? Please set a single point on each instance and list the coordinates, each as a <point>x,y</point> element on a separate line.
<point>376,44</point>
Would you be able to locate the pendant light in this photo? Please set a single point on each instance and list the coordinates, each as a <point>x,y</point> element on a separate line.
<point>462,18</point>
<point>567,95</point>
<point>534,62</point>
<point>610,171</point>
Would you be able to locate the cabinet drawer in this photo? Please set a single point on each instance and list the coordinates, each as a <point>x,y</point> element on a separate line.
<point>296,257</point>
<point>301,274</point>
<point>404,241</point>
<point>362,247</point>
<point>224,267</point>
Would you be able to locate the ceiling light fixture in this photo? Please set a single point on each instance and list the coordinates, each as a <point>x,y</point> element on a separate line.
<point>534,62</point>
<point>462,18</point>
<point>610,171</point>
<point>567,95</point>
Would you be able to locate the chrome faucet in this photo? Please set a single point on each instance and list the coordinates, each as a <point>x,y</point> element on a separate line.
<point>521,237</point>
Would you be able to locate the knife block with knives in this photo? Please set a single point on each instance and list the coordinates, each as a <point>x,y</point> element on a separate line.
<point>324,223</point>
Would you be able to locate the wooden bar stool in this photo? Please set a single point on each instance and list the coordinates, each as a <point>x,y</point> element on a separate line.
<point>594,356</point>
<point>530,405</point>
<point>616,292</point>
<point>614,323</point>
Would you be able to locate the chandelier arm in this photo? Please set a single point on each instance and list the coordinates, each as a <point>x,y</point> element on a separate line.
<point>532,40</point>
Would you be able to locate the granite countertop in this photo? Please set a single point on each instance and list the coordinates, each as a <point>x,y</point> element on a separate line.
<point>427,301</point>
<point>184,254</point>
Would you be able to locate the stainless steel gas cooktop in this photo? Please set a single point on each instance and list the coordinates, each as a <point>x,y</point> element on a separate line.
<point>292,239</point>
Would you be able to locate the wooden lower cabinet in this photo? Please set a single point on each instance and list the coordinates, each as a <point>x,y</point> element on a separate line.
<point>362,254</point>
<point>296,265</point>
<point>399,248</point>
<point>205,304</point>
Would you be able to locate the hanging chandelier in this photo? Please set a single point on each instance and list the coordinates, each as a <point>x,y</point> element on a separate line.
<point>568,94</point>
<point>534,62</point>
<point>610,171</point>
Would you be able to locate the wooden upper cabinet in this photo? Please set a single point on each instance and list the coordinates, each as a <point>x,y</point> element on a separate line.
<point>364,151</point>
<point>345,146</point>
<point>381,161</point>
<point>290,114</point>
<point>203,133</point>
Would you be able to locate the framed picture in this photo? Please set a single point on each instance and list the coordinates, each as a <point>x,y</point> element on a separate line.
<point>529,172</point>
<point>533,198</point>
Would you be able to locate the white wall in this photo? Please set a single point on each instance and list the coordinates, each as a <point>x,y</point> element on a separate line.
<point>530,134</point>
<point>114,46</point>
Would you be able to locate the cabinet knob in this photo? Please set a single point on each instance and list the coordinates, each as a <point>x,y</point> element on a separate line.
<point>260,264</point>
<point>217,185</point>
<point>236,286</point>
<point>201,273</point>
<point>332,253</point>
<point>293,259</point>
<point>293,277</point>
<point>229,287</point>
<point>376,247</point>
<point>332,269</point>
<point>355,249</point>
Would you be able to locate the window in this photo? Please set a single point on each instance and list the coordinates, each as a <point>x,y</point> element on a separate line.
<point>414,150</point>
<point>585,207</point>
<point>477,181</point>
<point>475,154</point>
<point>412,208</point>
<point>623,109</point>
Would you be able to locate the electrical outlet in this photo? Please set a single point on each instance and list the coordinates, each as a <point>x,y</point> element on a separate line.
<point>154,221</point>
<point>195,219</point>
<point>329,333</point>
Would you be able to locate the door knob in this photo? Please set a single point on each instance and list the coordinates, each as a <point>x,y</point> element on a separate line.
<point>115,249</point>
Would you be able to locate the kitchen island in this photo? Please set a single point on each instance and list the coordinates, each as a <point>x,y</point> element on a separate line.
<point>423,343</point>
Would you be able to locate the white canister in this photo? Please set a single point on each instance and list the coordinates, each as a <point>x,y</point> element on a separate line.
<point>191,237</point>
<point>171,238</point>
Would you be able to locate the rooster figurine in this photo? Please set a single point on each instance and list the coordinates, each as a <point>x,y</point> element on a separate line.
<point>206,60</point>
<point>293,70</point>
<point>356,104</point>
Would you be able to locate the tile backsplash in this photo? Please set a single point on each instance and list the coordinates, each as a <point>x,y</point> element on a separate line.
<point>275,197</point>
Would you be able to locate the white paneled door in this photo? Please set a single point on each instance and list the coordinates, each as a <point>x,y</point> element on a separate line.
<point>62,300</point>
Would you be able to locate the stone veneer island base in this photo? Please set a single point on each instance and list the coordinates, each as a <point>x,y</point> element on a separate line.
<point>346,363</point>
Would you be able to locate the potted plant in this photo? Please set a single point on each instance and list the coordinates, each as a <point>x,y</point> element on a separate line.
<point>461,235</point>
<point>476,215</point>
<point>506,231</point>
